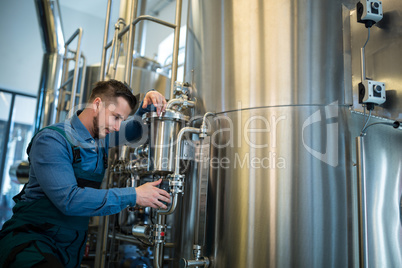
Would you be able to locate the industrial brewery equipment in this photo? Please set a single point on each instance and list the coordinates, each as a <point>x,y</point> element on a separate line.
<point>271,181</point>
<point>160,157</point>
<point>278,75</point>
<point>126,48</point>
<point>166,155</point>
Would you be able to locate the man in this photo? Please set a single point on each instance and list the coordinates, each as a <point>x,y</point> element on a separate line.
<point>67,165</point>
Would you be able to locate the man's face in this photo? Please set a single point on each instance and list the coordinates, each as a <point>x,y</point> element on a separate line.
<point>110,116</point>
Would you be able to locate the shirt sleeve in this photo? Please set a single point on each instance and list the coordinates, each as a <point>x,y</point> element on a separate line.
<point>51,164</point>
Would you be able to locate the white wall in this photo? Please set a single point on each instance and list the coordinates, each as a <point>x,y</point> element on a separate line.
<point>21,45</point>
<point>157,33</point>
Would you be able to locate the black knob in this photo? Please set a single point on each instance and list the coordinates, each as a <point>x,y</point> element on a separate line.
<point>377,88</point>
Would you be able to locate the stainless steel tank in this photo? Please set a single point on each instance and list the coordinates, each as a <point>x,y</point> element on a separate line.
<point>51,30</point>
<point>163,134</point>
<point>274,73</point>
<point>146,75</point>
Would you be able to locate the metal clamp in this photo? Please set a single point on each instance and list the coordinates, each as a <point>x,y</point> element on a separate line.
<point>198,261</point>
<point>159,232</point>
<point>177,184</point>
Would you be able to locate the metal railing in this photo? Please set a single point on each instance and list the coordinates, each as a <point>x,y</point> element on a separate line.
<point>130,29</point>
<point>66,79</point>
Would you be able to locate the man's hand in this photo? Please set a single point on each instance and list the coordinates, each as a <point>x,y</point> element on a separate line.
<point>150,196</point>
<point>157,99</point>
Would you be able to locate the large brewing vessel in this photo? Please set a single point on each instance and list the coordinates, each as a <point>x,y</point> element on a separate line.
<point>273,71</point>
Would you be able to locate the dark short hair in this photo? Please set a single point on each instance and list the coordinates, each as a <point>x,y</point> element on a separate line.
<point>112,89</point>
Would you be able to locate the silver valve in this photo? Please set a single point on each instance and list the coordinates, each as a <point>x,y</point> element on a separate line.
<point>159,232</point>
<point>198,261</point>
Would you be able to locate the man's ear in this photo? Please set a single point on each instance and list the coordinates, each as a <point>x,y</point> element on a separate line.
<point>96,104</point>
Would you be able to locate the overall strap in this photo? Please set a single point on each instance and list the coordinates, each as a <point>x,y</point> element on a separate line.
<point>84,178</point>
<point>75,148</point>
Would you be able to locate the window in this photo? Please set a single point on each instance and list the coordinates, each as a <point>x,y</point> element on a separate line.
<point>17,114</point>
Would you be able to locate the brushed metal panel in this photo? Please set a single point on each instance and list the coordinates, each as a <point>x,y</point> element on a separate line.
<point>383,171</point>
<point>270,202</point>
<point>383,52</point>
<point>265,53</point>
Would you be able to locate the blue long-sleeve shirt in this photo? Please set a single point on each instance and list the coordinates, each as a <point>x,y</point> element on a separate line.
<point>51,172</point>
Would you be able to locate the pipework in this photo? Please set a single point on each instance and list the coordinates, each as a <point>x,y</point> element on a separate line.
<point>198,261</point>
<point>181,102</point>
<point>181,97</point>
<point>177,184</point>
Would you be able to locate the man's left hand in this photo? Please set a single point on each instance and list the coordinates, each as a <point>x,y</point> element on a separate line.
<point>157,99</point>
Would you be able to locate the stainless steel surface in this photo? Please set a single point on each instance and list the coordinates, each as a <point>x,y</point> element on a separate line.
<point>278,189</point>
<point>172,207</point>
<point>381,160</point>
<point>362,196</point>
<point>382,52</point>
<point>158,249</point>
<point>20,171</point>
<point>203,149</point>
<point>143,231</point>
<point>272,203</point>
<point>103,228</point>
<point>140,38</point>
<point>194,263</point>
<point>163,138</point>
<point>265,53</point>
<point>105,38</point>
<point>176,27</point>
<point>175,58</point>
<point>178,150</point>
<point>363,57</point>
<point>130,45</point>
<point>53,44</point>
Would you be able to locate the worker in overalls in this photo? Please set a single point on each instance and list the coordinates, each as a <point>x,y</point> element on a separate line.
<point>67,164</point>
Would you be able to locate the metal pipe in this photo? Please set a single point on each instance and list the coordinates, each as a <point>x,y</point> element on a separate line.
<point>150,18</point>
<point>66,83</point>
<point>126,238</point>
<point>131,35</point>
<point>363,57</point>
<point>141,18</point>
<point>363,64</point>
<point>103,229</point>
<point>178,145</point>
<point>77,57</point>
<point>111,52</point>
<point>194,263</point>
<point>172,206</point>
<point>83,73</point>
<point>139,44</point>
<point>158,249</point>
<point>361,178</point>
<point>137,20</point>
<point>174,102</point>
<point>50,25</point>
<point>176,46</point>
<point>177,167</point>
<point>206,115</point>
<point>105,38</point>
